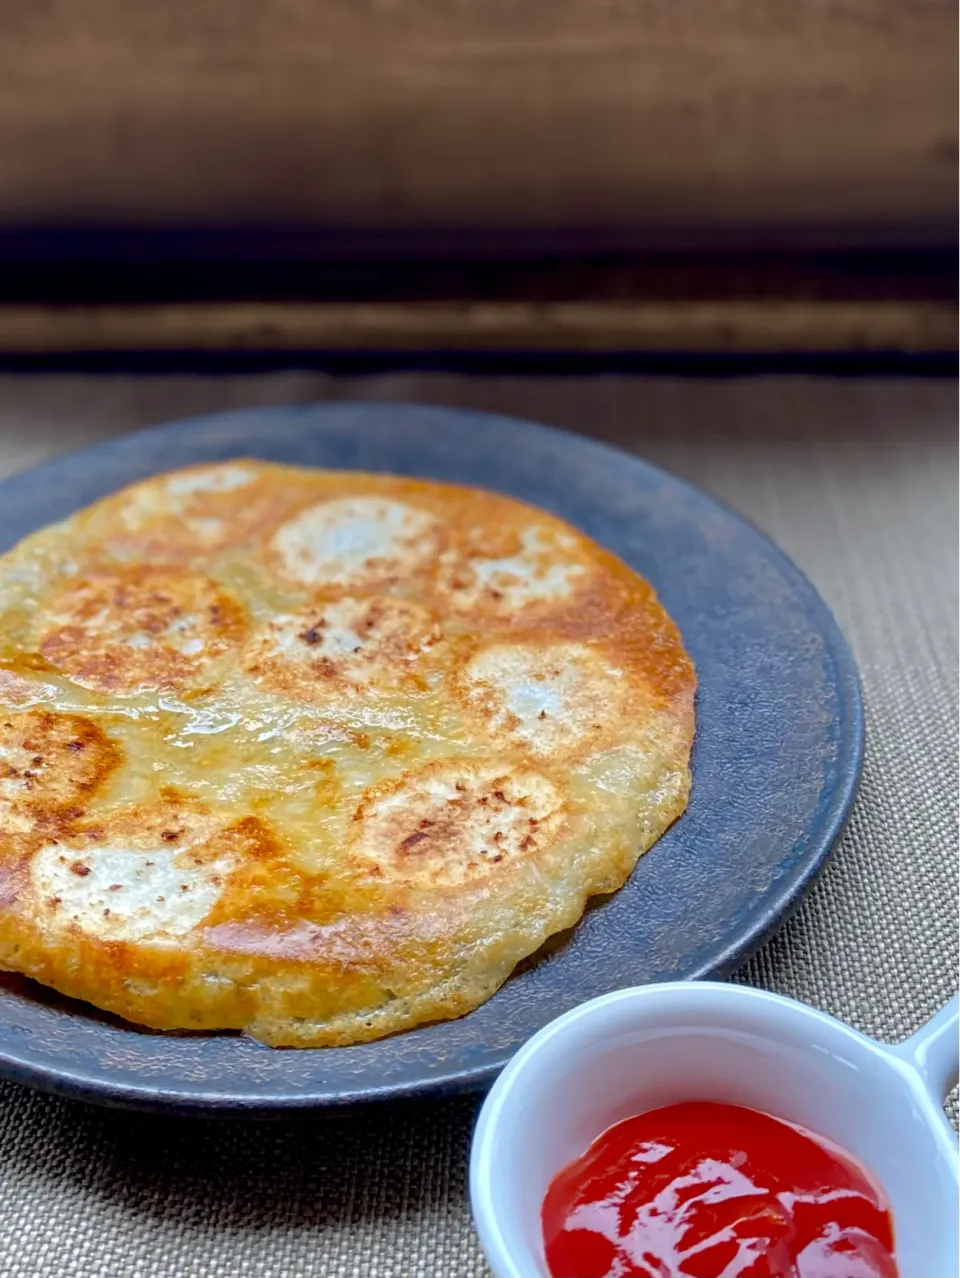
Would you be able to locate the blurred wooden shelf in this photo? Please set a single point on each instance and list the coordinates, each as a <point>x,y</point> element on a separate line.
<point>732,326</point>
<point>719,303</point>
<point>393,175</point>
<point>627,124</point>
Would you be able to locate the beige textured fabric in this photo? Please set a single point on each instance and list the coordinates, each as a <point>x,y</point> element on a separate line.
<point>857,480</point>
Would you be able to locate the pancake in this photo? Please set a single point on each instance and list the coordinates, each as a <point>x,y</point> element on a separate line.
<point>320,756</point>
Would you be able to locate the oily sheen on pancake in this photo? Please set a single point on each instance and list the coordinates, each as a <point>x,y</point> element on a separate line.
<point>318,755</point>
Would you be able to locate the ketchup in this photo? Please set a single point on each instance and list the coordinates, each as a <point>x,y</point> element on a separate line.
<point>715,1191</point>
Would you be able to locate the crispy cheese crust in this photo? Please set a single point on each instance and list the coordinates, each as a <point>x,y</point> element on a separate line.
<point>320,756</point>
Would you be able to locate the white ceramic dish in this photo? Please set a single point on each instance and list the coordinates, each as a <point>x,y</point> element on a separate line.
<point>638,1049</point>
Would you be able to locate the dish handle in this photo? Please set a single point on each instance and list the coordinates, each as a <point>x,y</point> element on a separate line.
<point>934,1051</point>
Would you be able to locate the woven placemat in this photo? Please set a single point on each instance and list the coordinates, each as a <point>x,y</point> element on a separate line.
<point>857,481</point>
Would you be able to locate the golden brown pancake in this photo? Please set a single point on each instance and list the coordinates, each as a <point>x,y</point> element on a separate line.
<point>318,755</point>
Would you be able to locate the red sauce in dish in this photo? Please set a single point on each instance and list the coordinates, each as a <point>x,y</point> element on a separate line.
<point>705,1190</point>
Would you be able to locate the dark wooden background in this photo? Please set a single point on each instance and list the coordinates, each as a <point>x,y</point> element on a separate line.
<point>142,142</point>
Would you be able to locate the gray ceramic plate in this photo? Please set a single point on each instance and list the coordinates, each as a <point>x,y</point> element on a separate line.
<point>776,762</point>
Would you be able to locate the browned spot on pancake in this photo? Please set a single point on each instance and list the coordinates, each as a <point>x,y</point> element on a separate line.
<point>155,892</point>
<point>200,510</point>
<point>263,878</point>
<point>554,699</point>
<point>328,782</point>
<point>13,878</point>
<point>451,823</point>
<point>140,628</point>
<point>50,766</point>
<point>344,645</point>
<point>496,570</point>
<point>355,542</point>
